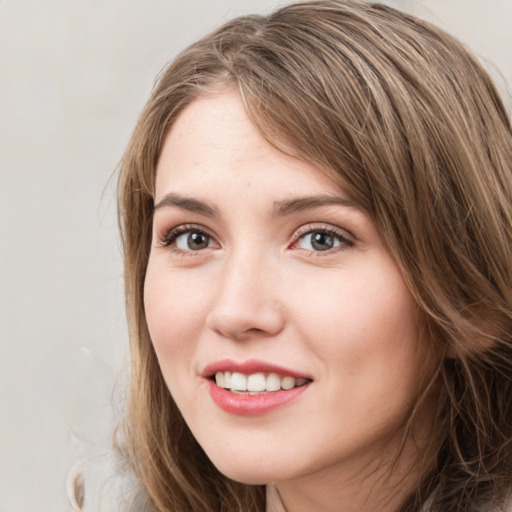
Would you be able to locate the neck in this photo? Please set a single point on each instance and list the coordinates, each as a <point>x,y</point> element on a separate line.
<point>364,485</point>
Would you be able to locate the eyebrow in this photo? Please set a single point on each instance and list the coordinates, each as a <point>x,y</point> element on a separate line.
<point>187,203</point>
<point>280,209</point>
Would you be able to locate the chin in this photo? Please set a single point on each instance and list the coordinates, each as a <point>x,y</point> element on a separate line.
<point>248,477</point>
<point>241,471</point>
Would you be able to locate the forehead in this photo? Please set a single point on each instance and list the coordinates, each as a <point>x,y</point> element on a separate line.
<point>213,142</point>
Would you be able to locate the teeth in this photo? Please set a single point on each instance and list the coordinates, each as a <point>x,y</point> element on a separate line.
<point>288,383</point>
<point>273,382</point>
<point>238,382</point>
<point>256,383</point>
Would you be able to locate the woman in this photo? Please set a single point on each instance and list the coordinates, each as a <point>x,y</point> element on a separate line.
<point>316,217</point>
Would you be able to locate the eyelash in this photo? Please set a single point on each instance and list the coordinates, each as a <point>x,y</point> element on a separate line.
<point>170,237</point>
<point>345,240</point>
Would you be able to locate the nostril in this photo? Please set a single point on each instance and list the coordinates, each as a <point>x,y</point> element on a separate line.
<point>246,323</point>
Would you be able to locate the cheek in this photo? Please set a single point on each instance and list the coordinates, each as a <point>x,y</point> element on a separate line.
<point>365,332</point>
<point>175,312</point>
<point>362,311</point>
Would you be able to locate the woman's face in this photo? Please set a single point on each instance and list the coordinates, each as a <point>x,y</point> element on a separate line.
<point>262,273</point>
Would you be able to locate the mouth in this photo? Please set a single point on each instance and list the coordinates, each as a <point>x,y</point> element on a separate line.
<point>252,388</point>
<point>258,383</point>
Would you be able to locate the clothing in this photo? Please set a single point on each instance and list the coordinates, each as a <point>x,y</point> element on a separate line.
<point>111,487</point>
<point>274,503</point>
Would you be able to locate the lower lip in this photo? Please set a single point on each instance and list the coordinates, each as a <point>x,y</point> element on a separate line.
<point>252,405</point>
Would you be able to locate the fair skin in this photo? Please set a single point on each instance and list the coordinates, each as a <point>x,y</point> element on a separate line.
<point>260,264</point>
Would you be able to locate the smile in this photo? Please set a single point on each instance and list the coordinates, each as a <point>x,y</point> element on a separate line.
<point>252,387</point>
<point>256,383</point>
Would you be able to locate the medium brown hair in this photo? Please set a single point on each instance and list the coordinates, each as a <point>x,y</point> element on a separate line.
<point>412,127</point>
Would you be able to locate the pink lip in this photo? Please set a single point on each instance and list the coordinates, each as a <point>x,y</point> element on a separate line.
<point>250,405</point>
<point>248,367</point>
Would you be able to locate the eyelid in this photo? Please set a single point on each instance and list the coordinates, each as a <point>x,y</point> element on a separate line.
<point>345,236</point>
<point>323,226</point>
<point>167,237</point>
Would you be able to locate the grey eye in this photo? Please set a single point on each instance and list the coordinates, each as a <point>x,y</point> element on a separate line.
<point>319,241</point>
<point>193,241</point>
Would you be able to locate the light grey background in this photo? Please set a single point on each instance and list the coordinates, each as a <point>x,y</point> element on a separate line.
<point>74,75</point>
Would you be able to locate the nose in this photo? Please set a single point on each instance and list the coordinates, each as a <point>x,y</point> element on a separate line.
<point>246,305</point>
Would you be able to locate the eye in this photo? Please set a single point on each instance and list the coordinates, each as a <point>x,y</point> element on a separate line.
<point>318,241</point>
<point>192,241</point>
<point>322,240</point>
<point>187,239</point>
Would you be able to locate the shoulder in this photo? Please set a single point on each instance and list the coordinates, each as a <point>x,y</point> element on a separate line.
<point>507,507</point>
<point>111,486</point>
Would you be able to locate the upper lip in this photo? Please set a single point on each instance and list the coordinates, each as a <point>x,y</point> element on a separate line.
<point>249,367</point>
